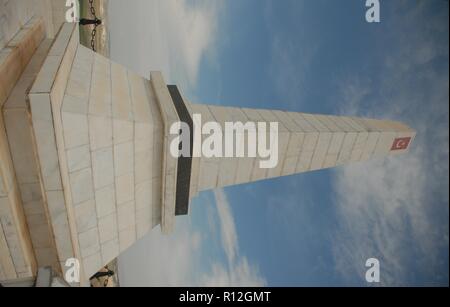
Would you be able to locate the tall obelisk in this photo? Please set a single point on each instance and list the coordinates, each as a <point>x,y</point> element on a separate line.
<point>306,142</point>
<point>97,138</point>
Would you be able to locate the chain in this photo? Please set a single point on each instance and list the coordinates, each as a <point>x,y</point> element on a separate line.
<point>94,31</point>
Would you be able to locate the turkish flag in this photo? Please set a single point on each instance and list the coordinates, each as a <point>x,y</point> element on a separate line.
<point>401,143</point>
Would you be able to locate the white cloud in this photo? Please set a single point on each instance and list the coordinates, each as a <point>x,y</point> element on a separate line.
<point>241,274</point>
<point>178,260</point>
<point>383,207</point>
<point>159,260</point>
<point>390,208</point>
<point>228,229</point>
<point>170,36</point>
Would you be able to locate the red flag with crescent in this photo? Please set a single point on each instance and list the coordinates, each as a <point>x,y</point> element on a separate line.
<point>401,143</point>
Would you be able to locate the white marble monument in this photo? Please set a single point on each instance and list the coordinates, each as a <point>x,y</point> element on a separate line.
<point>86,169</point>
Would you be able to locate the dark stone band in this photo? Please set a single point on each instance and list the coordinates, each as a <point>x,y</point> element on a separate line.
<point>184,163</point>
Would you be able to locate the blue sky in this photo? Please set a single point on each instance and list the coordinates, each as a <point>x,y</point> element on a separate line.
<point>313,229</point>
